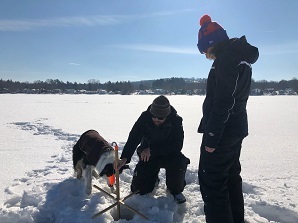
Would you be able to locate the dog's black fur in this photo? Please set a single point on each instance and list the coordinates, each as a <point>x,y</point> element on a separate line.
<point>94,156</point>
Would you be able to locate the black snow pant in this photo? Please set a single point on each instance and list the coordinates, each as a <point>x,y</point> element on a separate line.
<point>221,183</point>
<point>146,173</point>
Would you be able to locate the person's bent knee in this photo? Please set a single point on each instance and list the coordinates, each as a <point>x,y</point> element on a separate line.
<point>142,190</point>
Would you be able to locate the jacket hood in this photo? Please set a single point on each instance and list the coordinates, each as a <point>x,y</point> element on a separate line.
<point>240,45</point>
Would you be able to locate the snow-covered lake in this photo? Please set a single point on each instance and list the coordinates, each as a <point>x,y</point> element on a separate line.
<point>38,131</point>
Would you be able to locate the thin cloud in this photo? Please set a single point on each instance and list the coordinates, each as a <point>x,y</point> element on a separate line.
<point>159,49</point>
<point>285,49</point>
<point>74,64</point>
<point>97,20</point>
<point>23,25</point>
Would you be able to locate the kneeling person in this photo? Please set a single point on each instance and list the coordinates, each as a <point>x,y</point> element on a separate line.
<point>158,137</point>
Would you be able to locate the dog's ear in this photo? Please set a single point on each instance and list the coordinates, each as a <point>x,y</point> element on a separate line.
<point>108,170</point>
<point>123,168</point>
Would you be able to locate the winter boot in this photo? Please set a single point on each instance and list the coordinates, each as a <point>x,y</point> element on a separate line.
<point>179,198</point>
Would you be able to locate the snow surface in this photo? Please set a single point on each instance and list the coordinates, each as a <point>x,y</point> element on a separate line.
<point>37,182</point>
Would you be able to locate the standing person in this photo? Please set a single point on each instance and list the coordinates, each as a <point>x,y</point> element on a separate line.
<point>158,134</point>
<point>224,124</point>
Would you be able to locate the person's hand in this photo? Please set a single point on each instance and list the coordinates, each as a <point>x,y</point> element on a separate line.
<point>121,163</point>
<point>145,155</point>
<point>209,150</point>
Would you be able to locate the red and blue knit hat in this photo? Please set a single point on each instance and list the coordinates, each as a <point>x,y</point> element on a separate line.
<point>210,34</point>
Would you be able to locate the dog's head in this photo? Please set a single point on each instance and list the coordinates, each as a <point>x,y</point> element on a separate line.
<point>108,170</point>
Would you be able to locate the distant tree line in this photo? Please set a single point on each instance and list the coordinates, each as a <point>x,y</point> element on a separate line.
<point>176,85</point>
<point>275,85</point>
<point>51,85</point>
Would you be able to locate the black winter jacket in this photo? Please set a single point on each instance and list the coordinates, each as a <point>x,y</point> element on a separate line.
<point>165,139</point>
<point>228,87</point>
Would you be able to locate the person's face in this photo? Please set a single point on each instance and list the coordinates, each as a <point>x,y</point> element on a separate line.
<point>158,120</point>
<point>209,55</point>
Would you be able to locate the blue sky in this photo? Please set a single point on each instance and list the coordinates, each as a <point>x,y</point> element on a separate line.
<point>131,40</point>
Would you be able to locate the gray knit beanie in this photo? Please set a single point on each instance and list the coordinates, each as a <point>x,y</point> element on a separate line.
<point>160,107</point>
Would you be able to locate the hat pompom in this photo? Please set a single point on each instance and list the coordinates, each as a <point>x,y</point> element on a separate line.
<point>205,19</point>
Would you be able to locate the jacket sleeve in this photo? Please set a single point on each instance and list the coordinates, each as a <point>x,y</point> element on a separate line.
<point>134,139</point>
<point>176,143</point>
<point>227,75</point>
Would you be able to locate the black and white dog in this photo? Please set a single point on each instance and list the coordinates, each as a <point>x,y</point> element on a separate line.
<point>93,156</point>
